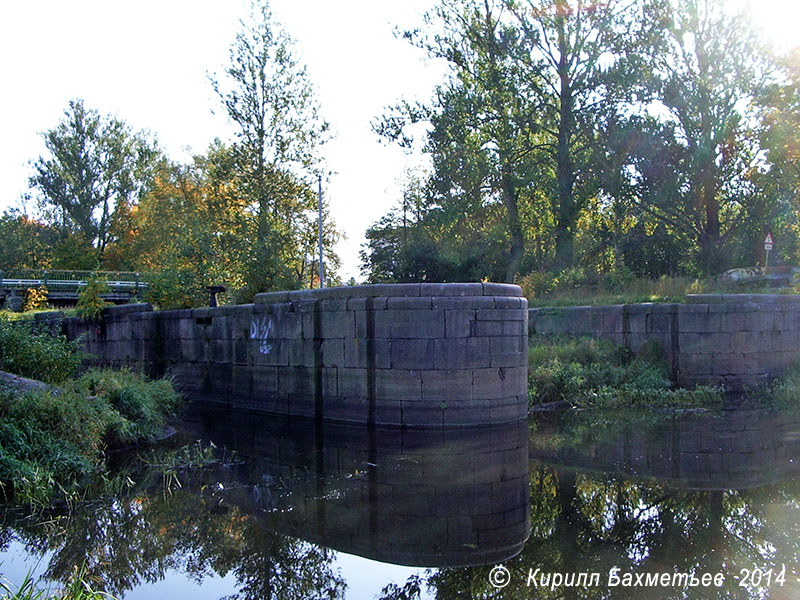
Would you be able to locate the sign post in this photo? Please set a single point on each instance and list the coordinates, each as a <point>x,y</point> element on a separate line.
<point>767,247</point>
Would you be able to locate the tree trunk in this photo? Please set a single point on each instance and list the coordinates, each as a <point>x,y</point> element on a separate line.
<point>510,199</point>
<point>566,211</point>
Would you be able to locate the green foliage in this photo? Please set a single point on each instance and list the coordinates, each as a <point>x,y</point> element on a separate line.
<point>173,289</point>
<point>74,252</point>
<point>52,443</point>
<point>94,163</point>
<point>271,102</point>
<point>621,137</point>
<point>90,298</point>
<point>783,392</point>
<point>591,372</point>
<point>28,349</point>
<point>35,299</point>
<point>24,242</point>
<point>576,287</point>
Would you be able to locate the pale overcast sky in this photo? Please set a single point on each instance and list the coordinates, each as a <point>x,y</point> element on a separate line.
<point>146,62</point>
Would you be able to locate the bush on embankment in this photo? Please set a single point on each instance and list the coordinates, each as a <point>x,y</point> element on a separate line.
<point>588,372</point>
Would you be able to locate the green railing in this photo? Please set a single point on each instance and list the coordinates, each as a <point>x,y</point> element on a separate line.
<point>66,280</point>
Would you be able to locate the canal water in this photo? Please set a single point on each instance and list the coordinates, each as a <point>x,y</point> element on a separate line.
<point>571,505</point>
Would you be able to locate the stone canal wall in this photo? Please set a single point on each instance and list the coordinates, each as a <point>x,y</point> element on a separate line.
<point>400,354</point>
<point>735,340</point>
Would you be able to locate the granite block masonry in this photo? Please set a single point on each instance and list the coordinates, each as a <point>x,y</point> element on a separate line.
<point>422,355</point>
<point>734,340</point>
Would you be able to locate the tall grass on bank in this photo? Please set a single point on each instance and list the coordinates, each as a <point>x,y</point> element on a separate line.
<point>575,288</point>
<point>50,444</point>
<point>77,589</point>
<point>28,349</point>
<point>587,372</point>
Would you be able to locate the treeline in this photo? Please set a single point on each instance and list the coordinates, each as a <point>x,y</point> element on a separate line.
<point>573,139</point>
<point>241,215</point>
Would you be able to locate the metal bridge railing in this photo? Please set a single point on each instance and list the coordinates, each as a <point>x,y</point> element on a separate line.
<point>58,279</point>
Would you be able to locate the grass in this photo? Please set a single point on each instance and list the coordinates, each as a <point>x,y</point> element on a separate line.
<point>9,315</point>
<point>587,372</point>
<point>28,349</point>
<point>78,588</point>
<point>50,445</point>
<point>550,290</point>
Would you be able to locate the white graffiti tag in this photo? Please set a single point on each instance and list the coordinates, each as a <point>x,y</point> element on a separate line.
<point>260,330</point>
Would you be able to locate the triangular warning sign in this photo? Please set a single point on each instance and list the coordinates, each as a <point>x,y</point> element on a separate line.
<point>769,239</point>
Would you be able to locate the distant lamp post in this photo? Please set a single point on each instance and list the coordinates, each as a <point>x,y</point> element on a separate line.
<point>321,264</point>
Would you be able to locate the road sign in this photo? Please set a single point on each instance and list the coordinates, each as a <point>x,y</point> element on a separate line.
<point>768,242</point>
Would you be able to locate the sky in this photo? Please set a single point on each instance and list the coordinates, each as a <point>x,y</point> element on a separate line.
<point>147,62</point>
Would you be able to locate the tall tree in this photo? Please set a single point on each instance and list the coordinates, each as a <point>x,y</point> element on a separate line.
<point>480,138</point>
<point>532,85</point>
<point>780,139</point>
<point>191,230</point>
<point>696,166</point>
<point>95,163</point>
<point>582,61</point>
<point>269,98</point>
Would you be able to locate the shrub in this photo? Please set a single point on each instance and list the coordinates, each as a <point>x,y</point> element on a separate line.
<point>90,298</point>
<point>35,299</point>
<point>144,405</point>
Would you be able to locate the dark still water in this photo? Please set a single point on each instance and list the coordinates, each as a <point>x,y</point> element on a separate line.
<point>578,505</point>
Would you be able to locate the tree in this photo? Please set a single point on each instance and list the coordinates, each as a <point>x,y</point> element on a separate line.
<point>95,164</point>
<point>780,139</point>
<point>480,137</point>
<point>268,96</point>
<point>533,84</point>
<point>695,168</point>
<point>24,242</point>
<point>189,231</point>
<point>582,62</point>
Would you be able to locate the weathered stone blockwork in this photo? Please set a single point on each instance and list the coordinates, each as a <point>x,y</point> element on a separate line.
<point>404,354</point>
<point>735,340</point>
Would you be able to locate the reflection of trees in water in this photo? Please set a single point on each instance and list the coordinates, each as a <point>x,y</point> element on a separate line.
<point>587,523</point>
<point>123,544</point>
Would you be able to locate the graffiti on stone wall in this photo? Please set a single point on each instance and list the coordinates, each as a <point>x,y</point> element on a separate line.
<point>260,330</point>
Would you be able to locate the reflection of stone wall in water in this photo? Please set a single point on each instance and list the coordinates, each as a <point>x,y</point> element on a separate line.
<point>405,354</point>
<point>735,340</point>
<point>737,450</point>
<point>415,497</point>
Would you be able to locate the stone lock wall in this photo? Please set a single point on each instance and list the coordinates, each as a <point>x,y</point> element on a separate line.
<point>400,354</point>
<point>735,340</point>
